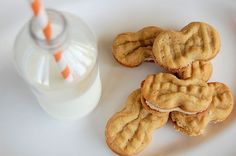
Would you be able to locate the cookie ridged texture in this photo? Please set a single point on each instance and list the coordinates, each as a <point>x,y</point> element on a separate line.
<point>129,131</point>
<point>219,109</point>
<point>222,101</point>
<point>198,69</point>
<point>191,125</point>
<point>166,91</point>
<point>197,41</point>
<point>131,49</point>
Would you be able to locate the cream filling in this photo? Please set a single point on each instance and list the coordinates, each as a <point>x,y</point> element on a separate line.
<point>149,59</point>
<point>154,107</point>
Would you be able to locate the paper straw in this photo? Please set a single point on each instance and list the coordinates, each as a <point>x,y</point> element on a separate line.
<point>44,23</point>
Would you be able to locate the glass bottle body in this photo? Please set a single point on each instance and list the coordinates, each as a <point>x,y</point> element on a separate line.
<point>35,63</point>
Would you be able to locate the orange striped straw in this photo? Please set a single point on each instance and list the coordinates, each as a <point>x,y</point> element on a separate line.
<point>45,24</point>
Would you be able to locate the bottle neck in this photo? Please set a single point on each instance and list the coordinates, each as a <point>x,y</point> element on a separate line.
<point>59,28</point>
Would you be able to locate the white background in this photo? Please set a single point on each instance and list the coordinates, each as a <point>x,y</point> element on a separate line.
<point>26,130</point>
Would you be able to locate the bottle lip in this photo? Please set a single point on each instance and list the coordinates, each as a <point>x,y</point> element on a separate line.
<point>56,40</point>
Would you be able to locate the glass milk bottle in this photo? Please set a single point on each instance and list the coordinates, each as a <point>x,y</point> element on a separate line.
<point>36,64</point>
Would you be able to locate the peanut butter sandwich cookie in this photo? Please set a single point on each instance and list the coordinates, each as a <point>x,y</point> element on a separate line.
<point>164,92</point>
<point>198,69</point>
<point>197,41</point>
<point>219,109</point>
<point>129,131</point>
<point>131,49</point>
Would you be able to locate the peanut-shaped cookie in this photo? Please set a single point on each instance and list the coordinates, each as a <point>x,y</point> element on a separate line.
<point>164,92</point>
<point>195,42</point>
<point>219,109</point>
<point>198,69</point>
<point>131,49</point>
<point>129,131</point>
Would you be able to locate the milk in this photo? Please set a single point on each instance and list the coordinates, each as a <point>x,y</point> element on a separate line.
<point>76,107</point>
<point>58,98</point>
<point>35,62</point>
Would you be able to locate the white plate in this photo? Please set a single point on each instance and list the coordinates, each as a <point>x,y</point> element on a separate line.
<point>26,130</point>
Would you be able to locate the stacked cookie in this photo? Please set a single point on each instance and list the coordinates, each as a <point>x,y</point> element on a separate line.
<point>183,94</point>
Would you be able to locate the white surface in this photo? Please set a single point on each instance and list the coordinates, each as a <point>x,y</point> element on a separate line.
<point>26,130</point>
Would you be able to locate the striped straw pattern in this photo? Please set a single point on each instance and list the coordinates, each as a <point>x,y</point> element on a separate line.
<point>44,23</point>
<point>64,68</point>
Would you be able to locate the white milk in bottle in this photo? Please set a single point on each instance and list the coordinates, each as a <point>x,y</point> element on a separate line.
<point>36,64</point>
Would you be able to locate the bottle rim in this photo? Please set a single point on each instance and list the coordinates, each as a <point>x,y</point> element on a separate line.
<point>56,41</point>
